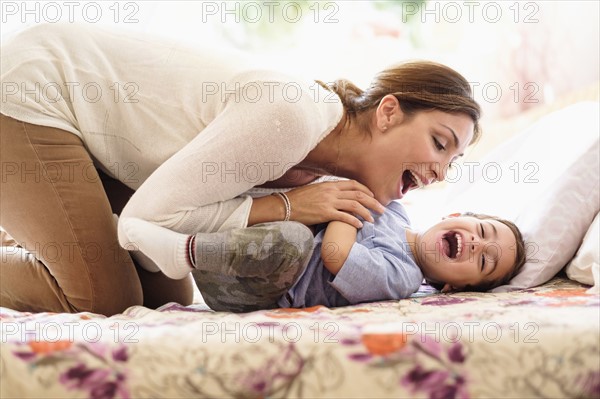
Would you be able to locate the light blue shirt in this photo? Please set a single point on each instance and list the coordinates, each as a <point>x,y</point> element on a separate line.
<point>380,266</point>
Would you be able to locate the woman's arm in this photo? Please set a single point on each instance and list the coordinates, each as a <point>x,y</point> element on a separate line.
<point>246,145</point>
<point>266,209</point>
<point>337,242</point>
<point>319,203</point>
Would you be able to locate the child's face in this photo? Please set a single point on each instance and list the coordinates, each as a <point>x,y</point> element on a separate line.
<point>461,251</point>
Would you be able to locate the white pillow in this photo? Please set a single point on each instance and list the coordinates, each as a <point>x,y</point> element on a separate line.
<point>585,267</point>
<point>546,180</point>
<point>554,225</point>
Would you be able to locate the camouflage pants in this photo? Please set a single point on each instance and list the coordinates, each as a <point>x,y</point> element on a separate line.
<point>248,269</point>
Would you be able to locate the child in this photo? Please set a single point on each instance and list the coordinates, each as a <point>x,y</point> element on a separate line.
<point>280,264</point>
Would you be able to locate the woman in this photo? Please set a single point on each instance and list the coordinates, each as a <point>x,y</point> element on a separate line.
<point>191,130</point>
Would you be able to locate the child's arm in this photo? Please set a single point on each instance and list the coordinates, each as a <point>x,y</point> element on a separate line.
<point>337,242</point>
<point>379,266</point>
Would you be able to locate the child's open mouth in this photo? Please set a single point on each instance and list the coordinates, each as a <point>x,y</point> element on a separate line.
<point>452,244</point>
<point>410,181</point>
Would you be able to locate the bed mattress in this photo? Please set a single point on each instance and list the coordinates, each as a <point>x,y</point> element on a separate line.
<point>540,342</point>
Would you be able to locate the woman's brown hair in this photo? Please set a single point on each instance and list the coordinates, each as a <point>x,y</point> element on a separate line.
<point>418,86</point>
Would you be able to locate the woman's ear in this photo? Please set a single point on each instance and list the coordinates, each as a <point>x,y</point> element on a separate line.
<point>388,113</point>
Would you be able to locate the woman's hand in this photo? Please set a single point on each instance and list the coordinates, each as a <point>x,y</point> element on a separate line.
<point>328,201</point>
<point>319,203</point>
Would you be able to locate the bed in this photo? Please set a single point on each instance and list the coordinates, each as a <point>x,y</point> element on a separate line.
<point>539,336</point>
<point>540,342</point>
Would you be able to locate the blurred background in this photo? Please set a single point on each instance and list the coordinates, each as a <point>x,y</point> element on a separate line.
<point>523,58</point>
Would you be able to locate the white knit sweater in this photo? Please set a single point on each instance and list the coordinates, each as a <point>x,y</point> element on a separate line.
<point>190,128</point>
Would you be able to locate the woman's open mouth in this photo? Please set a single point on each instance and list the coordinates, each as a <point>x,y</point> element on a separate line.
<point>410,181</point>
<point>452,244</point>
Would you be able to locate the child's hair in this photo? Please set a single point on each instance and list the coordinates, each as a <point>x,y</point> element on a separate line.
<point>519,261</point>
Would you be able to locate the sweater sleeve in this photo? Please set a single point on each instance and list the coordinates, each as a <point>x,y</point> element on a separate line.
<point>373,274</point>
<point>380,266</point>
<point>253,139</point>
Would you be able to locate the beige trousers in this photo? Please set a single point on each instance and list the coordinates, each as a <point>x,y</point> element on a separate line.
<point>60,251</point>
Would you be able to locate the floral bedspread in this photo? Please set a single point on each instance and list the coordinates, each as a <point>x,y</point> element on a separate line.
<point>541,342</point>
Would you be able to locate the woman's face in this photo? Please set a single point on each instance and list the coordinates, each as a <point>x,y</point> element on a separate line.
<point>408,153</point>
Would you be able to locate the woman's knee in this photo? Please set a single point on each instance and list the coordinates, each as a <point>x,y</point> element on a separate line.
<point>27,284</point>
<point>105,285</point>
<point>116,291</point>
<point>115,302</point>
